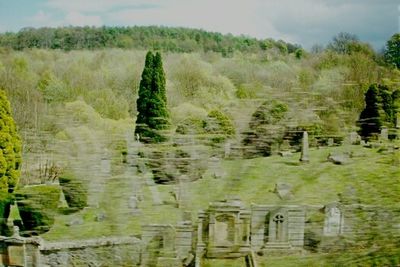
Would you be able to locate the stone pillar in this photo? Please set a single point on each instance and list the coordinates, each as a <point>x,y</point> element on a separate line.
<point>304,148</point>
<point>200,250</point>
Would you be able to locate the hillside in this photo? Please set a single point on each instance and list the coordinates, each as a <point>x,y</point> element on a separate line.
<point>138,37</point>
<point>235,104</point>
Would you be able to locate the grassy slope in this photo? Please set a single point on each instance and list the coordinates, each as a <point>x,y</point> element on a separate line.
<point>369,178</point>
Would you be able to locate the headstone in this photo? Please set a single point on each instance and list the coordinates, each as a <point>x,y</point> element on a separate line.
<point>75,221</point>
<point>354,138</point>
<point>100,217</point>
<point>304,148</point>
<point>330,141</point>
<point>333,221</point>
<point>285,154</point>
<point>284,191</point>
<point>384,134</point>
<point>216,168</point>
<point>339,159</point>
<point>133,205</point>
<point>227,149</point>
<point>153,190</point>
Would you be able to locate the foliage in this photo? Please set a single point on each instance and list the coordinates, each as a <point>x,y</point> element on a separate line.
<point>139,37</point>
<point>37,207</point>
<point>75,191</point>
<point>169,163</point>
<point>5,202</point>
<point>151,105</point>
<point>10,147</point>
<point>265,129</point>
<point>392,50</point>
<point>219,126</point>
<point>369,121</point>
<point>381,108</point>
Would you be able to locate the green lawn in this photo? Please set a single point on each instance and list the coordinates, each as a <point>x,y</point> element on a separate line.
<point>369,178</point>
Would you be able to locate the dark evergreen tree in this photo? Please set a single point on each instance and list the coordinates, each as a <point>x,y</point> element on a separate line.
<point>370,121</point>
<point>151,105</point>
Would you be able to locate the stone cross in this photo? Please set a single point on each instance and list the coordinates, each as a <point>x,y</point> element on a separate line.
<point>304,148</point>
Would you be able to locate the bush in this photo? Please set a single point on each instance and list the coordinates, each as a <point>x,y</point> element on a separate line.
<point>5,203</point>
<point>266,129</point>
<point>219,125</point>
<point>37,207</point>
<point>168,163</point>
<point>74,190</point>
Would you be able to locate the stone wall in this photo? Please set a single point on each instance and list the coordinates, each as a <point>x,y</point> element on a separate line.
<point>118,251</point>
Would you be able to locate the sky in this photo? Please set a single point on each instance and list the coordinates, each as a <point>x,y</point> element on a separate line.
<point>306,22</point>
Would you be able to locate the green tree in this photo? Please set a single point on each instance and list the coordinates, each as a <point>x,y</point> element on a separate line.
<point>370,121</point>
<point>392,50</point>
<point>10,147</point>
<point>151,105</point>
<point>10,160</point>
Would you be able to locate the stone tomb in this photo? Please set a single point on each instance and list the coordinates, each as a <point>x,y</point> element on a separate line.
<point>277,228</point>
<point>223,231</point>
<point>167,245</point>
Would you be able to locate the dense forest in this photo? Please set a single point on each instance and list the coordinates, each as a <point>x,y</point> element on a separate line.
<point>138,37</point>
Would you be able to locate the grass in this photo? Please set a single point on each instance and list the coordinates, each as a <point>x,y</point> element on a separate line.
<point>369,178</point>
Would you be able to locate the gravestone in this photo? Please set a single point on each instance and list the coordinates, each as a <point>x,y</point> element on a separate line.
<point>133,205</point>
<point>330,141</point>
<point>333,221</point>
<point>354,138</point>
<point>304,148</point>
<point>227,149</point>
<point>339,159</point>
<point>153,189</point>
<point>216,169</point>
<point>384,134</point>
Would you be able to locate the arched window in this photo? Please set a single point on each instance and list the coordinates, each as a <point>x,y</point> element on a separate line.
<point>278,220</point>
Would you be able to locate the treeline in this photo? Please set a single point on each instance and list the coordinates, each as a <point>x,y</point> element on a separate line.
<point>138,37</point>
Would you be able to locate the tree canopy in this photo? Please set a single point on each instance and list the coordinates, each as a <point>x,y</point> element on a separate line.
<point>392,50</point>
<point>139,37</point>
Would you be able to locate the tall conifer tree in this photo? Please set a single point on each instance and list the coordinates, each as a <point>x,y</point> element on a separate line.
<point>370,121</point>
<point>152,102</point>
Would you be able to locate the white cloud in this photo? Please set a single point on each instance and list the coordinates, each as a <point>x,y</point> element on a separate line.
<point>78,19</point>
<point>42,19</point>
<point>302,21</point>
<point>94,6</point>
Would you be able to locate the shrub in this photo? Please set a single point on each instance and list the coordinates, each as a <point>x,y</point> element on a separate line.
<point>5,203</point>
<point>266,129</point>
<point>37,207</point>
<point>75,191</point>
<point>219,125</point>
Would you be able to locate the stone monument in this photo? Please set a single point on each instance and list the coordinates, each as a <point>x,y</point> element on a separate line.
<point>304,148</point>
